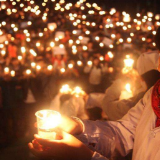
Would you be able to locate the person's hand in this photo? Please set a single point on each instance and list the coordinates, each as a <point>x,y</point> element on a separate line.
<point>67,148</point>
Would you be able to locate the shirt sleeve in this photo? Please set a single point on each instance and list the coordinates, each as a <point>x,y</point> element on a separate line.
<point>114,138</point>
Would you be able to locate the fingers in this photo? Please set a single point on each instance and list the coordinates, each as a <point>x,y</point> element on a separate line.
<point>46,142</point>
<point>45,154</point>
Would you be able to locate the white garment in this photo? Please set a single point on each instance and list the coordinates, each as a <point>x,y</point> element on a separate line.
<point>95,100</point>
<point>95,74</point>
<point>30,97</point>
<point>147,61</point>
<point>75,106</point>
<point>136,130</point>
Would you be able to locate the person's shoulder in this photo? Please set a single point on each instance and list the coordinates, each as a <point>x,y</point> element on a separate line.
<point>151,52</point>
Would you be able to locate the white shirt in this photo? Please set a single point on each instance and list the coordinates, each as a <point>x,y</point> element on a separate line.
<point>136,130</point>
<point>147,61</point>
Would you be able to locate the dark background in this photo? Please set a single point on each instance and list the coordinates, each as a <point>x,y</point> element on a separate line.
<point>131,6</point>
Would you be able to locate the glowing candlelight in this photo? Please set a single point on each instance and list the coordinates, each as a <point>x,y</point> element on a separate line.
<point>65,89</point>
<point>38,67</point>
<point>128,62</point>
<point>3,52</point>
<point>129,40</point>
<point>70,66</point>
<point>19,58</point>
<point>89,63</point>
<point>62,70</point>
<point>77,91</point>
<point>79,63</point>
<point>33,64</point>
<point>6,70</point>
<point>50,67</point>
<point>47,120</point>
<point>101,44</point>
<point>23,49</point>
<point>101,58</point>
<point>28,71</point>
<point>38,44</point>
<point>52,44</point>
<point>127,92</point>
<point>110,54</point>
<point>13,73</point>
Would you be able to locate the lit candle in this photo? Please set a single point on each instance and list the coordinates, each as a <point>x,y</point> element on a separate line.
<point>128,64</point>
<point>77,91</point>
<point>62,70</point>
<point>50,67</point>
<point>79,63</point>
<point>47,121</point>
<point>6,70</point>
<point>65,89</point>
<point>23,49</point>
<point>19,58</point>
<point>70,66</point>
<point>127,92</point>
<point>38,67</point>
<point>13,73</point>
<point>33,64</point>
<point>89,63</point>
<point>28,71</point>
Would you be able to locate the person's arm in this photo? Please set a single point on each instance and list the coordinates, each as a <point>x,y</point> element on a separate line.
<point>114,138</point>
<point>113,107</point>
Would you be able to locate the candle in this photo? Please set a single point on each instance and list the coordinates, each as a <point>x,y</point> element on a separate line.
<point>79,63</point>
<point>50,67</point>
<point>28,71</point>
<point>110,54</point>
<point>19,58</point>
<point>12,73</point>
<point>127,92</point>
<point>38,44</point>
<point>128,64</point>
<point>52,44</point>
<point>47,121</point>
<point>23,50</point>
<point>77,91</point>
<point>62,70</point>
<point>89,63</point>
<point>33,64</point>
<point>38,67</point>
<point>65,89</point>
<point>70,66</point>
<point>6,70</point>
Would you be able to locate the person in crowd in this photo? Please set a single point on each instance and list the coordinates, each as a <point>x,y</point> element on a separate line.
<point>114,107</point>
<point>95,72</point>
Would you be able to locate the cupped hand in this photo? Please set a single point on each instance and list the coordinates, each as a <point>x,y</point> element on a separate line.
<point>67,148</point>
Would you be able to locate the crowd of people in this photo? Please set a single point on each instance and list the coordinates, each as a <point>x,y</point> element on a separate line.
<point>46,44</point>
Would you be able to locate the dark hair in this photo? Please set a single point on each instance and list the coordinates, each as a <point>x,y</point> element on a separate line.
<point>157,38</point>
<point>151,77</point>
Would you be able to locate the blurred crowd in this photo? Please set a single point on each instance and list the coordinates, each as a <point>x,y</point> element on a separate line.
<point>45,44</point>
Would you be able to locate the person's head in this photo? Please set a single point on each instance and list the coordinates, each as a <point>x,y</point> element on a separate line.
<point>15,62</point>
<point>150,78</point>
<point>96,61</point>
